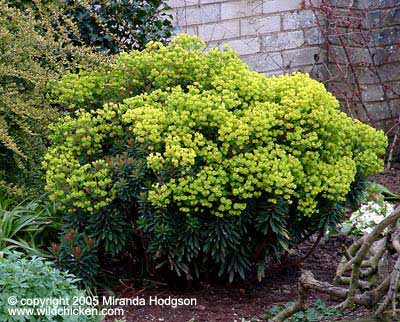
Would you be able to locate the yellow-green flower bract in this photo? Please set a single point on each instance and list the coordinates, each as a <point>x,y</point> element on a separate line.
<point>216,136</point>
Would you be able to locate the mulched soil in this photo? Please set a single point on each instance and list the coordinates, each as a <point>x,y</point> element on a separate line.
<point>240,302</point>
<point>249,301</point>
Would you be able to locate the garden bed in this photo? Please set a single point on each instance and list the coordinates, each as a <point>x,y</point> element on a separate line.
<point>251,301</point>
<point>237,301</point>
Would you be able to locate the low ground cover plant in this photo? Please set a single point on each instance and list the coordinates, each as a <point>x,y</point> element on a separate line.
<point>367,217</point>
<point>193,163</point>
<point>34,278</point>
<point>377,204</point>
<point>319,311</point>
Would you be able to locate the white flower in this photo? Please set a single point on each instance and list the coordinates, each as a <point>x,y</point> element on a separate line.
<point>368,230</point>
<point>369,215</point>
<point>378,219</point>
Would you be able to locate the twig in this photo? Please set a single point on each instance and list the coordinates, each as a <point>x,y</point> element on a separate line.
<point>300,305</point>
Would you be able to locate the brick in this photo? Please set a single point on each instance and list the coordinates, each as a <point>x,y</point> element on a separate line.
<point>386,55</point>
<point>372,93</point>
<point>367,4</point>
<point>383,110</point>
<point>364,4</point>
<point>274,6</point>
<point>341,89</point>
<point>189,30</point>
<point>340,73</point>
<point>264,62</point>
<point>388,3</point>
<point>390,72</point>
<point>364,75</point>
<point>298,20</point>
<point>214,44</point>
<point>312,3</point>
<point>198,14</point>
<point>341,3</point>
<point>274,73</point>
<point>357,111</point>
<point>260,25</point>
<point>313,70</point>
<point>349,37</point>
<point>245,46</point>
<point>375,92</point>
<point>374,18</point>
<point>182,3</point>
<point>283,40</point>
<point>357,55</point>
<point>220,30</point>
<point>301,57</point>
<point>314,36</point>
<point>384,18</point>
<point>212,1</point>
<point>241,8</point>
<point>344,19</point>
<point>387,36</point>
<point>386,125</point>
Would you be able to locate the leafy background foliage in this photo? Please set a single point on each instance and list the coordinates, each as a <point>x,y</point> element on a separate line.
<point>35,48</point>
<point>116,25</point>
<point>78,254</point>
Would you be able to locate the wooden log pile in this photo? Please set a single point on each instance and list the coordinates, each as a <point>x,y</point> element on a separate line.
<point>368,274</point>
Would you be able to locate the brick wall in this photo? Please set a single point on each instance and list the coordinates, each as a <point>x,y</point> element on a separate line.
<point>280,36</point>
<point>375,53</point>
<point>272,36</point>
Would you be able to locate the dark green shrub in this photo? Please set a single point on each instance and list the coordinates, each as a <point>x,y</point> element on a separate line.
<point>120,25</point>
<point>218,166</point>
<point>78,255</point>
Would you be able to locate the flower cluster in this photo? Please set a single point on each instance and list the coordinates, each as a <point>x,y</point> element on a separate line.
<point>215,134</point>
<point>183,62</point>
<point>76,175</point>
<point>215,148</point>
<point>367,217</point>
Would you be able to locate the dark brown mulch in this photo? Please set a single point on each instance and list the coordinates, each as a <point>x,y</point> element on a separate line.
<point>248,302</point>
<point>242,301</point>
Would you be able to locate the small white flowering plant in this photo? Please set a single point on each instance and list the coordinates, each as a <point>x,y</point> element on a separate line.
<point>371,213</point>
<point>367,217</point>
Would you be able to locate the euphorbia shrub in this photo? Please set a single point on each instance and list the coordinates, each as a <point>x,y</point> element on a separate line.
<point>225,165</point>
